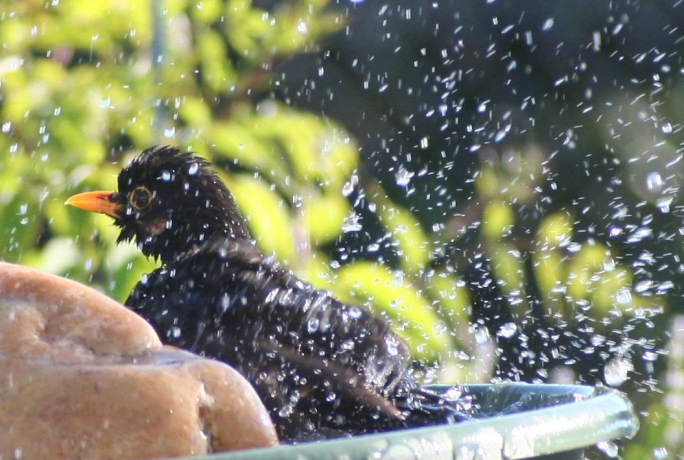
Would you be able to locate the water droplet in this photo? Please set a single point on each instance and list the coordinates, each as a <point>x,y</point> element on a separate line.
<point>608,264</point>
<point>596,40</point>
<point>529,41</point>
<point>169,132</point>
<point>312,325</point>
<point>347,345</point>
<point>617,370</point>
<point>286,411</point>
<point>355,312</point>
<point>481,335</point>
<point>614,231</point>
<point>654,182</point>
<point>609,448</point>
<point>664,287</point>
<point>225,302</point>
<point>639,234</point>
<point>398,276</point>
<point>392,348</point>
<point>663,203</point>
<point>7,127</point>
<point>403,177</point>
<point>650,356</point>
<point>660,453</point>
<point>348,188</point>
<point>643,286</point>
<point>192,170</point>
<point>507,330</point>
<point>466,451</point>
<point>666,128</point>
<point>302,28</point>
<point>548,24</point>
<point>166,176</point>
<point>352,223</point>
<point>623,296</point>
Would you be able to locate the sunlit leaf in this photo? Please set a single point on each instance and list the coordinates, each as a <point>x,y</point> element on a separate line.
<point>414,245</point>
<point>497,219</point>
<point>452,295</point>
<point>206,11</point>
<point>583,268</point>
<point>216,71</point>
<point>549,270</point>
<point>411,313</point>
<point>554,231</point>
<point>270,221</point>
<point>196,112</point>
<point>508,267</point>
<point>241,144</point>
<point>613,291</point>
<point>318,271</point>
<point>324,216</point>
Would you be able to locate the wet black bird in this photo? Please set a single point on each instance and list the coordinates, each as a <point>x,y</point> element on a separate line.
<point>322,368</point>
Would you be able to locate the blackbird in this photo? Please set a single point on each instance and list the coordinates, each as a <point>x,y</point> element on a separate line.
<point>322,368</point>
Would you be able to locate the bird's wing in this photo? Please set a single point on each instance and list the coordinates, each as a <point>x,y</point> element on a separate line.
<point>229,302</point>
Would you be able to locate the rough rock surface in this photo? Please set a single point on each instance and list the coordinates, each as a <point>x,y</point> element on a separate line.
<point>83,377</point>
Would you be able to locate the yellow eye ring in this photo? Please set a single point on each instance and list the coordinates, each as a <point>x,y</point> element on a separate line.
<point>140,198</point>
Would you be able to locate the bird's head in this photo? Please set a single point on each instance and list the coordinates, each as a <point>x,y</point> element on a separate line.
<point>168,201</point>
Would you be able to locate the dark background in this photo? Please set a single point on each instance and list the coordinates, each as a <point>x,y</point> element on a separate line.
<point>592,87</point>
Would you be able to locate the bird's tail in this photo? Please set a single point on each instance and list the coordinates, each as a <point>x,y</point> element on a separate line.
<point>423,406</point>
<point>414,407</point>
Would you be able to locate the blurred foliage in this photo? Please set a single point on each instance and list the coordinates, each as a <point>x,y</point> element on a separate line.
<point>575,278</point>
<point>662,432</point>
<point>86,85</point>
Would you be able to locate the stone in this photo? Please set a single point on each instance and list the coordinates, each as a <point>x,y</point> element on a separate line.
<point>84,377</point>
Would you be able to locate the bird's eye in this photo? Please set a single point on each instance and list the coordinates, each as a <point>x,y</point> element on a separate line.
<point>140,198</point>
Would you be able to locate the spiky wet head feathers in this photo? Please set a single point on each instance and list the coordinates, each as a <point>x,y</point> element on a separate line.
<point>174,201</point>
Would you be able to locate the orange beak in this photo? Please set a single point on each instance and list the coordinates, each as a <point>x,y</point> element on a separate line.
<point>96,202</point>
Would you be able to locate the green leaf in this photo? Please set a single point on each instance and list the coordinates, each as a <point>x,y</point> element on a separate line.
<point>324,216</point>
<point>217,72</point>
<point>508,268</point>
<point>414,247</point>
<point>583,270</point>
<point>554,231</point>
<point>241,144</point>
<point>453,297</point>
<point>270,221</point>
<point>549,268</point>
<point>412,315</point>
<point>497,220</point>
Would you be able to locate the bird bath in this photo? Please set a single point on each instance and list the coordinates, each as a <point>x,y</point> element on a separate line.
<point>518,421</point>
